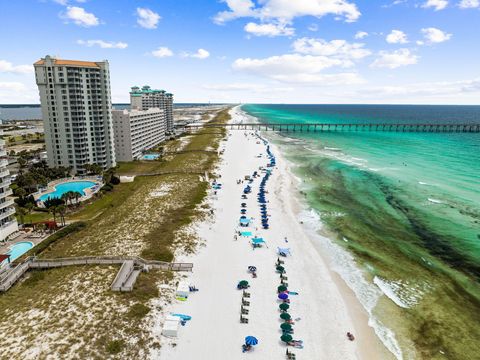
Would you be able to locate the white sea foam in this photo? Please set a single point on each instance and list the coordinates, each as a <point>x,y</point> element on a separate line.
<point>403,293</point>
<point>435,201</point>
<point>423,183</point>
<point>332,148</point>
<point>344,264</point>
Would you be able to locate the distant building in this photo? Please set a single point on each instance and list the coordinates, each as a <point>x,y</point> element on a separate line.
<point>136,131</point>
<point>77,112</point>
<point>146,98</point>
<point>8,223</point>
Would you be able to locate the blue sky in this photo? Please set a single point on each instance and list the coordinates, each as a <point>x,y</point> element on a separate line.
<point>266,51</point>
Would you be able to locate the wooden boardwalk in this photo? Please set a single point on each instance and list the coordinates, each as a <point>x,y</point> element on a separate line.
<point>358,127</point>
<point>130,268</point>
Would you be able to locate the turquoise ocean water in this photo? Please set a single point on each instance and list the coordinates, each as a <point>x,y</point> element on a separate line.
<point>407,206</point>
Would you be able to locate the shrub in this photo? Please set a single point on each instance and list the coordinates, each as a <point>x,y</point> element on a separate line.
<point>138,311</point>
<point>114,180</point>
<point>115,346</point>
<point>106,187</point>
<point>67,230</point>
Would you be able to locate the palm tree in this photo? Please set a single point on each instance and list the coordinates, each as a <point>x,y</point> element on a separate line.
<point>76,195</point>
<point>62,209</point>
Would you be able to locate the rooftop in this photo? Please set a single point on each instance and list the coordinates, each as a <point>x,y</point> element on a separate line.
<point>69,63</point>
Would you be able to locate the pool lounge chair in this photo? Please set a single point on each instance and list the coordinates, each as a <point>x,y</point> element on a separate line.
<point>243,320</point>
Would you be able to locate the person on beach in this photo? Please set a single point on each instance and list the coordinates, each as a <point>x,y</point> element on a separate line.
<point>350,336</point>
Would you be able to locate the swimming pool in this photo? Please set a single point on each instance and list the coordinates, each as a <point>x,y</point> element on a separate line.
<point>19,249</point>
<point>62,188</point>
<point>150,156</point>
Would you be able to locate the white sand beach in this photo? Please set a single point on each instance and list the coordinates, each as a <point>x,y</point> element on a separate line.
<point>323,311</point>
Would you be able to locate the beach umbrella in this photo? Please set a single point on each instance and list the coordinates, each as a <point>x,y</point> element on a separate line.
<point>283,296</point>
<point>252,268</point>
<point>286,326</point>
<point>243,283</point>
<point>284,306</point>
<point>282,288</point>
<point>286,338</point>
<point>251,340</point>
<point>280,268</point>
<point>285,316</point>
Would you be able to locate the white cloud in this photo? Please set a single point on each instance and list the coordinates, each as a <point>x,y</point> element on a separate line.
<point>8,67</point>
<point>80,17</point>
<point>103,44</point>
<point>435,36</point>
<point>162,52</point>
<point>287,10</point>
<point>339,49</point>
<point>17,93</point>
<point>469,4</point>
<point>397,37</point>
<point>257,88</point>
<point>436,4</point>
<point>313,27</point>
<point>147,18</point>
<point>200,54</point>
<point>361,35</point>
<point>427,89</point>
<point>12,86</point>
<point>270,30</point>
<point>395,59</point>
<point>297,68</point>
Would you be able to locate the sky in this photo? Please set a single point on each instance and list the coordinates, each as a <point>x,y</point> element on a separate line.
<point>254,51</point>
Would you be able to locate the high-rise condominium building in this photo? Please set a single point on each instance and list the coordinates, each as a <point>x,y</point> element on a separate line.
<point>146,98</point>
<point>8,223</point>
<point>77,112</point>
<point>136,131</point>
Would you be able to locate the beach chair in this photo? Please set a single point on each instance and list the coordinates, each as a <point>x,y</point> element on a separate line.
<point>244,311</point>
<point>290,355</point>
<point>280,262</point>
<point>245,303</point>
<point>243,320</point>
<point>283,277</point>
<point>284,283</point>
<point>245,294</point>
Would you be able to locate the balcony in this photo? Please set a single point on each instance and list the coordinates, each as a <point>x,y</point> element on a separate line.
<point>6,193</point>
<point>7,213</point>
<point>6,203</point>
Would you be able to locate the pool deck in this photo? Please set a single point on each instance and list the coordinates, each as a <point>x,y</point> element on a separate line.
<point>35,237</point>
<point>88,193</point>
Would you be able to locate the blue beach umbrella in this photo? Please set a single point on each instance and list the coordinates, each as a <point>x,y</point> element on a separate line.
<point>251,340</point>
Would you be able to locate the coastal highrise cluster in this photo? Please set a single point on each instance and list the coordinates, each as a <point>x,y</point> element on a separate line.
<point>146,98</point>
<point>81,128</point>
<point>77,112</point>
<point>8,223</point>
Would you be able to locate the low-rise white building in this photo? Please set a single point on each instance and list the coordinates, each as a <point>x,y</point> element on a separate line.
<point>136,131</point>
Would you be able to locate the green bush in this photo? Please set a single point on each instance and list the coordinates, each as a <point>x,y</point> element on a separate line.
<point>106,187</point>
<point>138,311</point>
<point>67,230</point>
<point>115,346</point>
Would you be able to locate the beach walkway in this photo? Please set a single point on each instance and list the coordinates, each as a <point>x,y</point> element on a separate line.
<point>124,281</point>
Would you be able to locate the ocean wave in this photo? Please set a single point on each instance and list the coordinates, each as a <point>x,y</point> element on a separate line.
<point>345,265</point>
<point>404,294</point>
<point>435,201</point>
<point>332,148</point>
<point>423,183</point>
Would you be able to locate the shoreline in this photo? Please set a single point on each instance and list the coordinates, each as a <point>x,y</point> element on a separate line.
<point>325,310</point>
<point>371,346</point>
